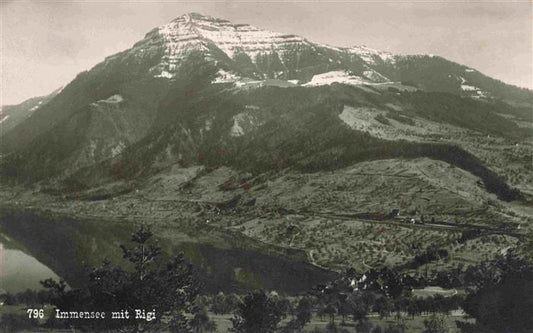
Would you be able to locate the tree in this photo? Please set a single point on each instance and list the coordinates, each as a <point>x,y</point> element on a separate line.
<point>331,310</point>
<point>211,326</point>
<point>218,305</point>
<point>377,329</point>
<point>303,311</point>
<point>285,306</point>
<point>147,282</point>
<point>503,302</point>
<point>435,324</point>
<point>320,310</point>
<point>223,304</point>
<point>303,316</point>
<point>257,313</point>
<point>363,326</point>
<point>201,321</point>
<point>383,307</point>
<point>398,326</point>
<point>395,285</point>
<point>359,308</point>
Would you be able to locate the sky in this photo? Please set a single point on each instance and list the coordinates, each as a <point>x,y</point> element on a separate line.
<point>44,44</point>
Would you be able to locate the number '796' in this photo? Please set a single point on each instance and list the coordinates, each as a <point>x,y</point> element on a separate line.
<point>35,313</point>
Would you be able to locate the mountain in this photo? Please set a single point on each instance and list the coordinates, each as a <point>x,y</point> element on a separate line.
<point>233,137</point>
<point>113,105</point>
<point>12,115</point>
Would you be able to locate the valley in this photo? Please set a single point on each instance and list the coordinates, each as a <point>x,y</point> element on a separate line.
<point>337,220</point>
<point>279,167</point>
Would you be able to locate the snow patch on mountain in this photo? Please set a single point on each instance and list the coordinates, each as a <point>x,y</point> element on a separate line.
<point>165,74</point>
<point>91,149</point>
<point>180,36</point>
<point>236,129</point>
<point>243,38</point>
<point>246,121</point>
<point>225,77</point>
<point>36,106</point>
<point>330,47</point>
<point>465,87</point>
<point>115,99</point>
<point>194,32</point>
<point>118,149</point>
<point>356,118</point>
<point>370,55</point>
<point>4,119</point>
<point>334,76</point>
<point>374,76</point>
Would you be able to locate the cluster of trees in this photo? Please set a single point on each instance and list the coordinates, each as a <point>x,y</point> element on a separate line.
<point>258,311</point>
<point>388,291</point>
<point>437,304</point>
<point>147,282</point>
<point>337,154</point>
<point>466,113</point>
<point>150,281</point>
<point>469,234</point>
<point>498,297</point>
<point>508,279</point>
<point>224,304</point>
<point>431,254</point>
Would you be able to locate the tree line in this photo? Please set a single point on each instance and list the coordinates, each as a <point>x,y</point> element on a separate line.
<point>148,281</point>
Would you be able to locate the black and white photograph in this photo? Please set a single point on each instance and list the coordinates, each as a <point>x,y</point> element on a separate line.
<point>266,166</point>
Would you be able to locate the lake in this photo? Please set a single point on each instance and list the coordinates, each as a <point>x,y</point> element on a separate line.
<point>20,271</point>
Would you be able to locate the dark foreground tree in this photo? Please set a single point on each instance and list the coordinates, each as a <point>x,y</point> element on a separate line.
<point>503,303</point>
<point>257,313</point>
<point>144,292</point>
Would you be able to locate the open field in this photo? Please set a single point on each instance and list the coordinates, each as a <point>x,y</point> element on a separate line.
<point>364,244</point>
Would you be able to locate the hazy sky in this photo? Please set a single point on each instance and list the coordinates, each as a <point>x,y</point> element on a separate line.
<point>46,43</point>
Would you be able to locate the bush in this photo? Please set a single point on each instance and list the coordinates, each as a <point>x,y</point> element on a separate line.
<point>257,313</point>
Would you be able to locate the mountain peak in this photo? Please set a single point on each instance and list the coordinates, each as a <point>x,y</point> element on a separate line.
<point>225,42</point>
<point>194,31</point>
<point>194,17</point>
<point>269,53</point>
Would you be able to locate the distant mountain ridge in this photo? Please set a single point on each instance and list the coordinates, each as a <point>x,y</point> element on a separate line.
<point>189,88</point>
<point>12,115</point>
